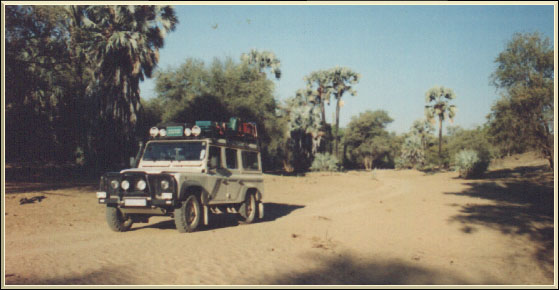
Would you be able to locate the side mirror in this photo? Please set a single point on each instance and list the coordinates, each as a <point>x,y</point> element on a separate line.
<point>132,162</point>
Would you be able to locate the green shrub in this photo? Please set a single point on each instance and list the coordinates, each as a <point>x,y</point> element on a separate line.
<point>400,163</point>
<point>469,164</point>
<point>412,154</point>
<point>325,162</point>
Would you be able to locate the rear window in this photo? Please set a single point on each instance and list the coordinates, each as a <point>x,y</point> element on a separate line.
<point>250,160</point>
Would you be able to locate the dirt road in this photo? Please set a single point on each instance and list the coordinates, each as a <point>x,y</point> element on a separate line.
<point>387,227</point>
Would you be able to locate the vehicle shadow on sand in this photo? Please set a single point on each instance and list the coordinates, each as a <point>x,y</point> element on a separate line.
<point>272,212</point>
<point>522,205</point>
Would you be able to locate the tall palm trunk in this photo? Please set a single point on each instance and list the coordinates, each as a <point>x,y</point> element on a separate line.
<point>321,100</point>
<point>323,114</point>
<point>336,137</point>
<point>440,137</point>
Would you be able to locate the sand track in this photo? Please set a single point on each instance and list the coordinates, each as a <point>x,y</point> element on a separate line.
<point>390,227</point>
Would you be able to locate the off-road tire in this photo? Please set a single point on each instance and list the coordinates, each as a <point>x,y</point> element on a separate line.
<point>117,221</point>
<point>188,215</point>
<point>250,208</point>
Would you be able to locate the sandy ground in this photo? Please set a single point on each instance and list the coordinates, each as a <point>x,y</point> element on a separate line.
<point>373,228</point>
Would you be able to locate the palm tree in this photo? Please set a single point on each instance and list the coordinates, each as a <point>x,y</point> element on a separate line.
<point>303,125</point>
<point>123,44</point>
<point>116,47</point>
<point>263,60</point>
<point>438,97</point>
<point>342,78</point>
<point>304,117</point>
<point>320,84</point>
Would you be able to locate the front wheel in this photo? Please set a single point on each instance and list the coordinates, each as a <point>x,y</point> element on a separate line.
<point>248,209</point>
<point>187,216</point>
<point>118,221</point>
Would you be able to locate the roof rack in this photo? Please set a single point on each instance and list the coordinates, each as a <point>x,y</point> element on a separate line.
<point>234,130</point>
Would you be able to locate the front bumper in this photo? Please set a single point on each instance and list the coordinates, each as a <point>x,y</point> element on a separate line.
<point>136,202</point>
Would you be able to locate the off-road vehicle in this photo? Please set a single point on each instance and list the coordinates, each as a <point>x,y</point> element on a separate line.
<point>188,172</point>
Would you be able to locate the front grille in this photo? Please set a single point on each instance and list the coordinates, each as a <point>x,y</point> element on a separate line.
<point>153,184</point>
<point>133,178</point>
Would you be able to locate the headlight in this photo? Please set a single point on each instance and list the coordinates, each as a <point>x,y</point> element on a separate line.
<point>125,184</point>
<point>164,184</point>
<point>141,185</point>
<point>114,184</point>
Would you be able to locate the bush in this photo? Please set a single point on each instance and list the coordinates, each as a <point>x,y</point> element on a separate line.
<point>325,162</point>
<point>412,153</point>
<point>469,164</point>
<point>432,158</point>
<point>400,163</point>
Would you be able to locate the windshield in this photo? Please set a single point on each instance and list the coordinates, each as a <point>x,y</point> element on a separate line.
<point>175,151</point>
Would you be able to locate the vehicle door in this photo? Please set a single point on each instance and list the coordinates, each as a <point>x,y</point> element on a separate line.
<point>251,166</point>
<point>217,174</point>
<point>233,180</point>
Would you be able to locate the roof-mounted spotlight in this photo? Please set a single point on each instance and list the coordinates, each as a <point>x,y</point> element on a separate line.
<point>153,131</point>
<point>196,130</point>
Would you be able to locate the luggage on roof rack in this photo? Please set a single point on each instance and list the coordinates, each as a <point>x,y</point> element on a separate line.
<point>234,129</point>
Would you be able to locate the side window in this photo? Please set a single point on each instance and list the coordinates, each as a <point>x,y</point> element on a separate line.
<point>250,160</point>
<point>214,157</point>
<point>231,158</point>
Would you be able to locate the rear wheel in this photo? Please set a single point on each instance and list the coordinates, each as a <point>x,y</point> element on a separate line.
<point>118,221</point>
<point>187,216</point>
<point>248,210</point>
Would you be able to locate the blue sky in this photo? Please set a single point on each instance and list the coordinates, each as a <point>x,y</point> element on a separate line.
<point>400,51</point>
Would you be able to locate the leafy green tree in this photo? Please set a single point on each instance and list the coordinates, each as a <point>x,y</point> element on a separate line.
<point>525,77</point>
<point>476,139</point>
<point>40,83</point>
<point>151,114</point>
<point>438,98</point>
<point>367,139</point>
<point>222,90</point>
<point>342,80</point>
<point>504,127</point>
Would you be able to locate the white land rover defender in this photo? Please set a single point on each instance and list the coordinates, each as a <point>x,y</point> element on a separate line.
<point>188,172</point>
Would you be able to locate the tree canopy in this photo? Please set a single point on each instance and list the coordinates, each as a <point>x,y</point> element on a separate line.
<point>224,89</point>
<point>367,139</point>
<point>74,73</point>
<point>524,76</point>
